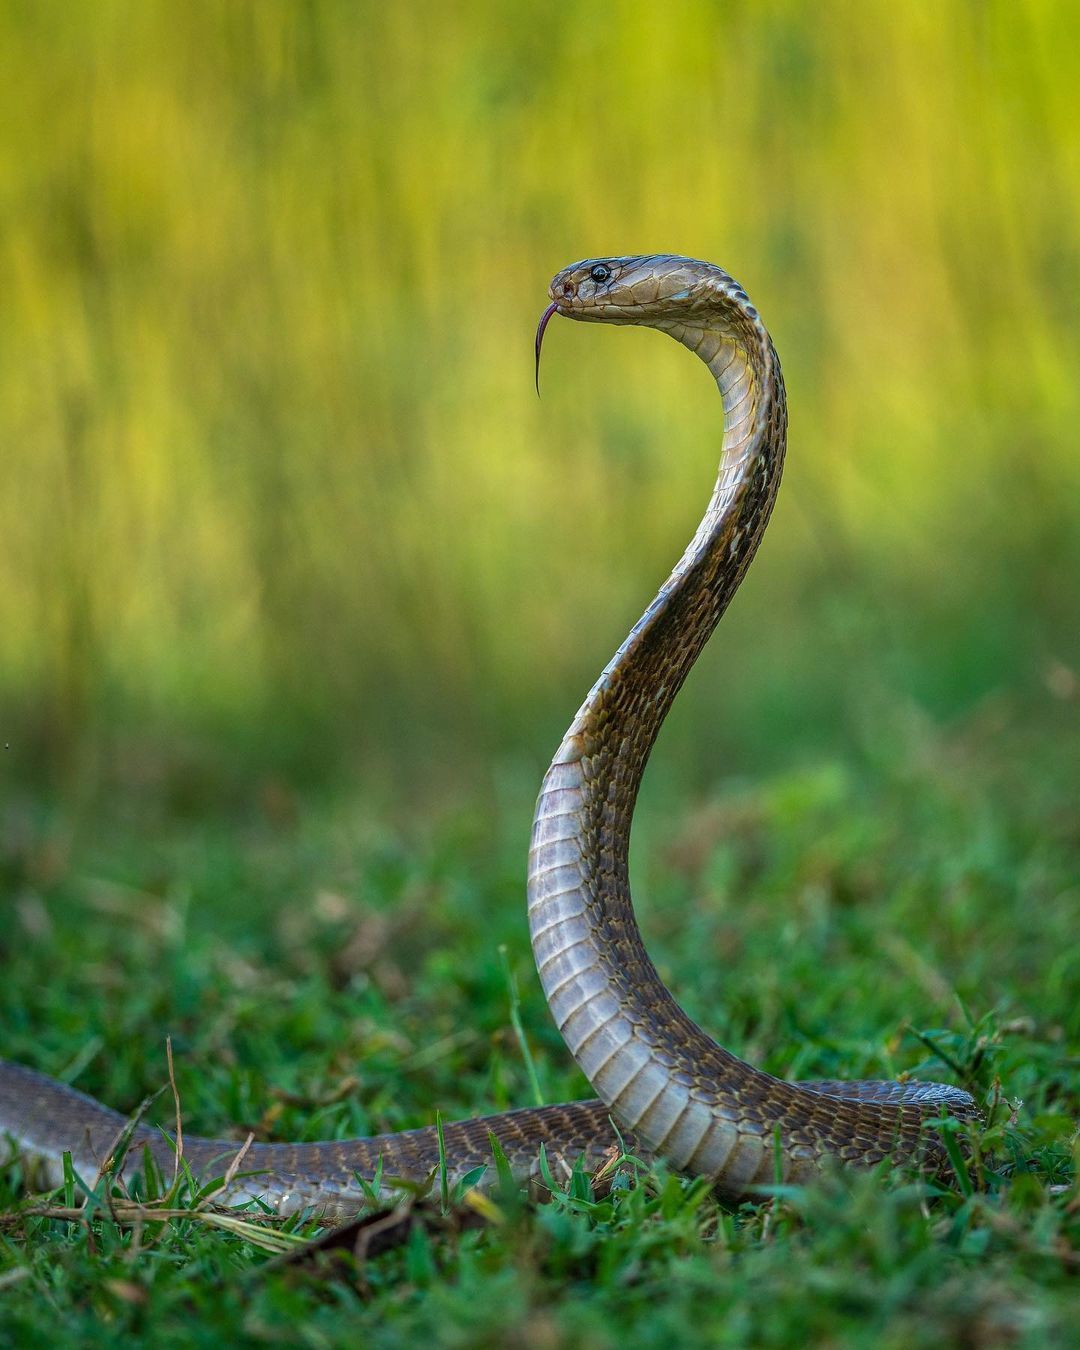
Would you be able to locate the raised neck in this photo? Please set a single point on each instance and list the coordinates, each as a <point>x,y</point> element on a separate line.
<point>662,646</point>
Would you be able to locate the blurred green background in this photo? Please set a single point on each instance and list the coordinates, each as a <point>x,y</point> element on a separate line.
<point>279,501</point>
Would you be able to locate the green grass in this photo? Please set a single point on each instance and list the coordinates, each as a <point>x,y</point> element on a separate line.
<point>323,974</point>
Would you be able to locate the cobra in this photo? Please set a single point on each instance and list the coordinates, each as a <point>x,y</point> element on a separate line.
<point>670,1089</point>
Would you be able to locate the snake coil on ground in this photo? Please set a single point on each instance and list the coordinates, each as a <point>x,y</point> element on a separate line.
<point>671,1089</point>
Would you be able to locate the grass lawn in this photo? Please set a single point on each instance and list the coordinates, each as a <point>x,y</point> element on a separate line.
<point>912,909</point>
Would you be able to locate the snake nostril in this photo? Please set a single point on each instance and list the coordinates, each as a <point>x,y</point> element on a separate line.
<point>567,289</point>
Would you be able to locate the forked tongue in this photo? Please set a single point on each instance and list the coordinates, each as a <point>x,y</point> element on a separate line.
<point>545,319</point>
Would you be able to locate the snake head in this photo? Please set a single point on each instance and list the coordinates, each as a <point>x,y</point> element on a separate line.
<point>658,290</point>
<point>638,289</point>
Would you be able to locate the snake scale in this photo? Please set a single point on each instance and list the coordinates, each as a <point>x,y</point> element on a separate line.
<point>672,1091</point>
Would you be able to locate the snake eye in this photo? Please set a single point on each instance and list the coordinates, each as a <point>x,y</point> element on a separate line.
<point>600,273</point>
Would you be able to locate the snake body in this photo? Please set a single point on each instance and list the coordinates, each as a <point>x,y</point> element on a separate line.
<point>670,1088</point>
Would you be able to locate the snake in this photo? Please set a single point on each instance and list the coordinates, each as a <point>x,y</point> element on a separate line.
<point>664,1088</point>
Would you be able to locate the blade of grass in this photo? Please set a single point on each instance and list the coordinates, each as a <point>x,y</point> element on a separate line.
<point>519,1029</point>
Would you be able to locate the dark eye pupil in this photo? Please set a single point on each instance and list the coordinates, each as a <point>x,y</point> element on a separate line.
<point>600,272</point>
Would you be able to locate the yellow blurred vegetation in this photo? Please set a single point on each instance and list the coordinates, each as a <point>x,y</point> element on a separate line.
<point>274,471</point>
